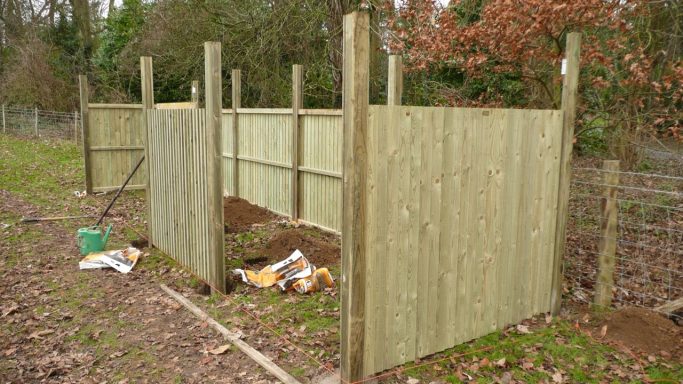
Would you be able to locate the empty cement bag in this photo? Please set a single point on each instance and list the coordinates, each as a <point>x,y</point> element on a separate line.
<point>283,273</point>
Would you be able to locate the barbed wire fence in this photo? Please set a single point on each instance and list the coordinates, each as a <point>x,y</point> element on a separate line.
<point>20,121</point>
<point>646,237</point>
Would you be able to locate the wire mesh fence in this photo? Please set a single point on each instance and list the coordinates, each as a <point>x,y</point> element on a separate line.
<point>34,122</point>
<point>648,261</point>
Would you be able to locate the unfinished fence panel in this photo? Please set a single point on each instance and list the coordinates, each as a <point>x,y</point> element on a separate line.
<point>115,144</point>
<point>180,216</point>
<point>462,205</point>
<point>320,168</point>
<point>264,158</point>
<point>265,161</point>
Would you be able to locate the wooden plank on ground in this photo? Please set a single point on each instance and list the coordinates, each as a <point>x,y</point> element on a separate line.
<point>234,338</point>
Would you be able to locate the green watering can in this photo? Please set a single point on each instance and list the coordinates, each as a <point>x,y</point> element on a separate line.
<point>90,239</point>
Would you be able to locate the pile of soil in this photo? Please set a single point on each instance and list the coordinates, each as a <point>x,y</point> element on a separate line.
<point>240,215</point>
<point>645,331</point>
<point>320,249</point>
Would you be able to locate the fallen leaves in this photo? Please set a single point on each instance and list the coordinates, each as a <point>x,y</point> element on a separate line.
<point>220,350</point>
<point>39,334</point>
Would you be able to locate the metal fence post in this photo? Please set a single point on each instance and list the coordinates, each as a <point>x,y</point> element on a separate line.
<point>36,121</point>
<point>4,127</point>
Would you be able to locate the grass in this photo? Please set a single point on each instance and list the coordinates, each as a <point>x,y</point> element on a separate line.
<point>536,357</point>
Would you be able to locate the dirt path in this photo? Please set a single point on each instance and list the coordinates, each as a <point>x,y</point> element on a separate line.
<point>59,324</point>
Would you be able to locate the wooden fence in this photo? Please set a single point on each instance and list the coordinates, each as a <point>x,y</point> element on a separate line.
<point>113,142</point>
<point>451,217</point>
<point>179,215</point>
<point>185,192</point>
<point>265,162</point>
<point>461,212</point>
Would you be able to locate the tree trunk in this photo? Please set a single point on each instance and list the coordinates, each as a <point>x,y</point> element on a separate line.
<point>81,14</point>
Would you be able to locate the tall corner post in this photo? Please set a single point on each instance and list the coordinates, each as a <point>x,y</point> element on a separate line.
<point>236,104</point>
<point>297,104</point>
<point>85,123</point>
<point>213,99</point>
<point>569,99</point>
<point>395,80</point>
<point>355,104</point>
<point>147,85</point>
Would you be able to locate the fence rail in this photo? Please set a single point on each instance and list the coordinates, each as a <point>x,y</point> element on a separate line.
<point>24,121</point>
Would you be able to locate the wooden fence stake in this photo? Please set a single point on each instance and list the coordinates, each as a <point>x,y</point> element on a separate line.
<point>569,96</point>
<point>85,121</point>
<point>297,104</point>
<point>195,93</point>
<point>147,85</point>
<point>76,127</point>
<point>355,101</point>
<point>35,124</point>
<point>608,231</point>
<point>395,80</point>
<point>213,99</point>
<point>236,103</point>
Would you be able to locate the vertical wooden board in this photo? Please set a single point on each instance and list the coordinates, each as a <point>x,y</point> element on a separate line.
<point>379,257</point>
<point>458,171</point>
<point>555,203</point>
<point>511,182</point>
<point>401,333</point>
<point>390,129</point>
<point>524,233</point>
<point>463,291</point>
<point>540,121</point>
<point>553,133</point>
<point>372,301</point>
<point>94,118</point>
<point>446,276</point>
<point>496,199</point>
<point>436,125</point>
<point>415,118</point>
<point>478,224</point>
<point>426,229</point>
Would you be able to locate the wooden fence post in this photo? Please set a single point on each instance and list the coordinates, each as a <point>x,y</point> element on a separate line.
<point>147,85</point>
<point>85,121</point>
<point>75,126</point>
<point>297,104</point>
<point>195,93</point>
<point>607,246</point>
<point>236,103</point>
<point>213,99</point>
<point>395,80</point>
<point>355,101</point>
<point>35,124</point>
<point>569,96</point>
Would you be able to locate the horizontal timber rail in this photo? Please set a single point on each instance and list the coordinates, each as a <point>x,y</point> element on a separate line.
<point>114,106</point>
<point>285,111</point>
